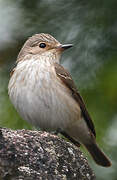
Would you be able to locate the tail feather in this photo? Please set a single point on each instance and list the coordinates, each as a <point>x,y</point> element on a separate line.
<point>98,156</point>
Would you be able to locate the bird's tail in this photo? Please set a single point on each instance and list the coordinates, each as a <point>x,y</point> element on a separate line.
<point>98,156</point>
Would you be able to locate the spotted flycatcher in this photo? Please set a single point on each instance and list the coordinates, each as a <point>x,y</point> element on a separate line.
<point>45,95</point>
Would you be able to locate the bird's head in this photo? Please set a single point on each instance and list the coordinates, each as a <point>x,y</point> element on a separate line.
<point>42,44</point>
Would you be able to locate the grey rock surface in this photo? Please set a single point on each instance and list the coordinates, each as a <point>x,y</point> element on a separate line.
<point>30,155</point>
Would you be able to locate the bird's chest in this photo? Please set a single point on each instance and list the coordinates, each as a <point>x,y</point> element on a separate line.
<point>33,80</point>
<point>38,96</point>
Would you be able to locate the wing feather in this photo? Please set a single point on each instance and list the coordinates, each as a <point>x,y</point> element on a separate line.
<point>66,78</point>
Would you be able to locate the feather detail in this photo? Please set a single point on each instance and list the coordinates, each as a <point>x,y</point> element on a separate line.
<point>67,80</point>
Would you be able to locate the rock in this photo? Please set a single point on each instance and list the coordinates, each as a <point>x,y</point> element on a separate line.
<point>30,155</point>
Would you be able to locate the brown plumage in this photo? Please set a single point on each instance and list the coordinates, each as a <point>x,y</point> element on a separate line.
<point>45,95</point>
<point>67,79</point>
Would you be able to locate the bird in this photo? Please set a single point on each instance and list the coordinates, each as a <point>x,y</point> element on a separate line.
<point>44,94</point>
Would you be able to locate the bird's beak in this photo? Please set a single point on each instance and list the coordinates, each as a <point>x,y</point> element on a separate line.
<point>66,46</point>
<point>63,47</point>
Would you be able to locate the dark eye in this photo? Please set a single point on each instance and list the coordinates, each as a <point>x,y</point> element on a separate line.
<point>42,45</point>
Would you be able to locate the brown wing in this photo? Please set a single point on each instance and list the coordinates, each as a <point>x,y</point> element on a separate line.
<point>64,75</point>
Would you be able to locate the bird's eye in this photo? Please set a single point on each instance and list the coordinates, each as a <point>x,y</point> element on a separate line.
<point>42,45</point>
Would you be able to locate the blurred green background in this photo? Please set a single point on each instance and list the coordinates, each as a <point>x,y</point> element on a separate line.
<point>92,27</point>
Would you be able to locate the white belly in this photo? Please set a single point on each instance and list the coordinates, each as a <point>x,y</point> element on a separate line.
<point>40,98</point>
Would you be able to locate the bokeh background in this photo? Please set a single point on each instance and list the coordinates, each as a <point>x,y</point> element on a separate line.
<point>92,27</point>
